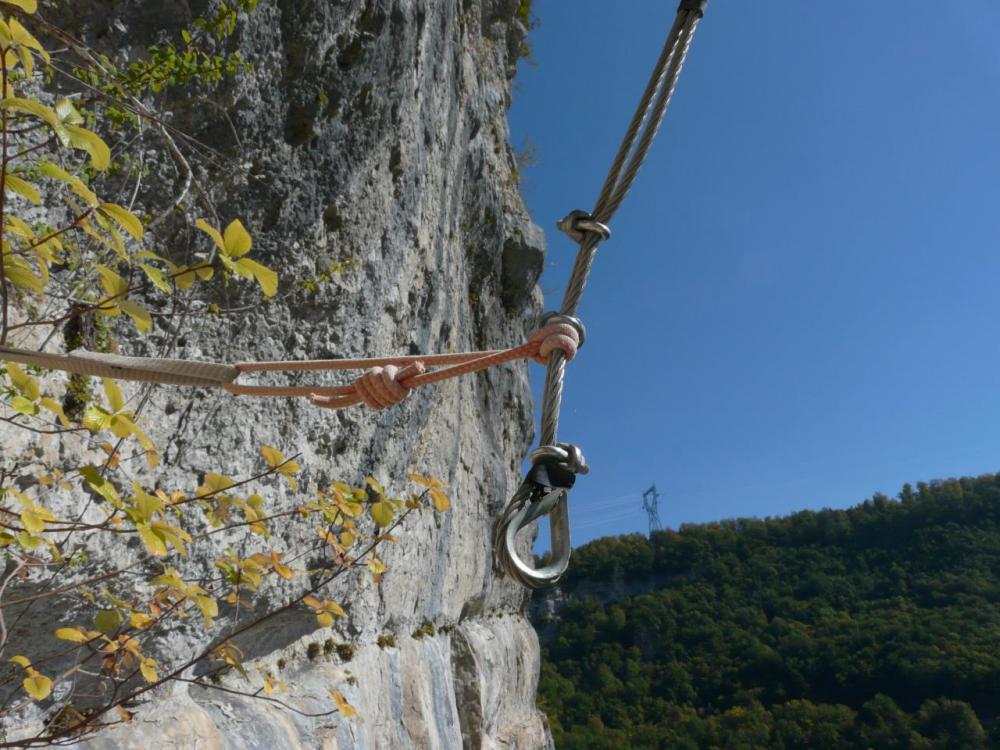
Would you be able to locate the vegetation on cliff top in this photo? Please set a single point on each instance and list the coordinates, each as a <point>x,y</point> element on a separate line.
<point>873,627</point>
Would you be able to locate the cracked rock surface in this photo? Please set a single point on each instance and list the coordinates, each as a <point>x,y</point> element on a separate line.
<point>367,153</point>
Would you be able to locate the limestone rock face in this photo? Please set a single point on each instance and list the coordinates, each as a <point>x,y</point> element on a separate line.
<point>367,152</point>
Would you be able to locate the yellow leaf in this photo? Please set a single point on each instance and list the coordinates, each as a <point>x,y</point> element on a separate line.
<point>28,6</point>
<point>68,112</point>
<point>345,708</point>
<point>75,183</point>
<point>440,499</point>
<point>24,278</point>
<point>381,513</point>
<point>113,284</point>
<point>23,188</point>
<point>37,685</point>
<point>128,221</point>
<point>273,456</point>
<point>140,620</point>
<point>154,543</point>
<point>334,609</point>
<point>156,276</point>
<point>23,406</point>
<point>312,601</point>
<point>34,517</point>
<point>22,660</point>
<point>21,380</point>
<point>22,36</point>
<point>20,227</point>
<point>211,232</point>
<point>148,669</point>
<point>46,114</point>
<point>236,241</point>
<point>209,608</point>
<point>116,401</point>
<point>266,278</point>
<point>139,314</point>
<point>77,635</point>
<point>55,408</point>
<point>100,154</point>
<point>325,619</point>
<point>426,481</point>
<point>375,485</point>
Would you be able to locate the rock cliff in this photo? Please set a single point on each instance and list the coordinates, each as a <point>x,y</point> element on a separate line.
<point>367,152</point>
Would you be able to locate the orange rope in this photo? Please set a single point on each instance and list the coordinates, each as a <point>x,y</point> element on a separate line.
<point>388,380</point>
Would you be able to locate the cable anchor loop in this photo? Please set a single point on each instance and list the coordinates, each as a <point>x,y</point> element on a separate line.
<point>552,317</point>
<point>544,491</point>
<point>578,224</point>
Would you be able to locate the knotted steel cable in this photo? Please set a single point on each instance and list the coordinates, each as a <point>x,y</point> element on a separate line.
<point>541,493</point>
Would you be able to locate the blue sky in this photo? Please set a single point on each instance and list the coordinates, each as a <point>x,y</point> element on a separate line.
<point>800,302</point>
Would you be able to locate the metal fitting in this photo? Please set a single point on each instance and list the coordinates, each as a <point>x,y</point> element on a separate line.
<point>578,224</point>
<point>556,317</point>
<point>544,491</point>
<point>696,6</point>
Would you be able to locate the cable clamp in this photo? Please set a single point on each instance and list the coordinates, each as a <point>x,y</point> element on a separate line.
<point>695,6</point>
<point>578,224</point>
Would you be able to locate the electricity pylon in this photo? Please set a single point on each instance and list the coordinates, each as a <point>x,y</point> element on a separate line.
<point>651,506</point>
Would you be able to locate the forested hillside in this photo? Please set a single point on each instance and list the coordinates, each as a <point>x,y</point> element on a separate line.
<point>875,627</point>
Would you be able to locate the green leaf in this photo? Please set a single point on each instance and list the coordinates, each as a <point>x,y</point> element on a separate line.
<point>100,154</point>
<point>108,620</point>
<point>23,188</point>
<point>128,221</point>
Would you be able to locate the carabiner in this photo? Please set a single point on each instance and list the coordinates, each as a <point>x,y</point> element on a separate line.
<point>544,491</point>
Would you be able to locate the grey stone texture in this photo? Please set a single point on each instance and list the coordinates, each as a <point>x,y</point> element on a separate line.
<point>366,152</point>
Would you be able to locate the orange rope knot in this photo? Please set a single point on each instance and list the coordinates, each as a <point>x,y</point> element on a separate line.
<point>552,337</point>
<point>382,387</point>
<point>378,387</point>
